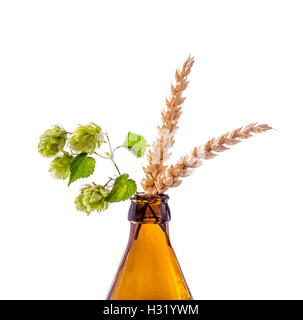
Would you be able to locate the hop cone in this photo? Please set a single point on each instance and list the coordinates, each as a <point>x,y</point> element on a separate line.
<point>86,138</point>
<point>52,141</point>
<point>92,197</point>
<point>60,166</point>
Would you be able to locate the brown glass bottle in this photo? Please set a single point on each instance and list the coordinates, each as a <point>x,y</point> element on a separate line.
<point>149,269</point>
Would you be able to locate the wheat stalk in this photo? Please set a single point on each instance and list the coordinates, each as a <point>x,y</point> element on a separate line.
<point>184,167</point>
<point>159,153</point>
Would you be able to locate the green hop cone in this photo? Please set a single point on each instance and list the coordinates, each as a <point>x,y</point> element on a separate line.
<point>86,138</point>
<point>79,203</point>
<point>52,141</point>
<point>91,198</point>
<point>60,166</point>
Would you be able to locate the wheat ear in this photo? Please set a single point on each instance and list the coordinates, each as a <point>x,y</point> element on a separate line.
<point>184,167</point>
<point>159,153</point>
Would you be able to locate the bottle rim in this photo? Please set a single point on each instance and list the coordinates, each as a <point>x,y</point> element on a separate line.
<point>149,198</point>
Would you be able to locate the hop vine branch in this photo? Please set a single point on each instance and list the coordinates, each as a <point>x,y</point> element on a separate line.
<point>73,159</point>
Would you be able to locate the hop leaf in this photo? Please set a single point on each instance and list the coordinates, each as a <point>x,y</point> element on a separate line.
<point>136,144</point>
<point>91,198</point>
<point>86,138</point>
<point>60,166</point>
<point>52,141</point>
<point>81,167</point>
<point>123,189</point>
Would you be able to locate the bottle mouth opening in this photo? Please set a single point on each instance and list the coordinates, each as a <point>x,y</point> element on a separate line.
<point>149,198</point>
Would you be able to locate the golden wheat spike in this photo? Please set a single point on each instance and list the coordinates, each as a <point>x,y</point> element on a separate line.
<point>159,153</point>
<point>171,177</point>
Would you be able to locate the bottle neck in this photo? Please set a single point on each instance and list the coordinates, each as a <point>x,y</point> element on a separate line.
<point>149,216</point>
<point>149,209</point>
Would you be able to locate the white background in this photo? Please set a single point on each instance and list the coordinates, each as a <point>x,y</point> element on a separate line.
<point>236,223</point>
